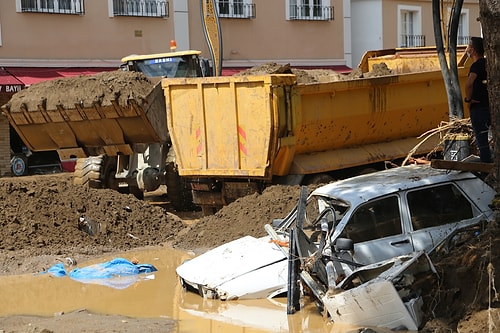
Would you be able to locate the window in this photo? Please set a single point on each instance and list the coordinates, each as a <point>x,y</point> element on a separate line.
<point>147,8</point>
<point>51,6</point>
<point>409,27</point>
<point>315,10</point>
<point>463,37</point>
<point>374,220</point>
<point>438,205</point>
<point>236,8</point>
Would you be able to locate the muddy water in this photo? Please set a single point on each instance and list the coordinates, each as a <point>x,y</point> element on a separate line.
<point>158,295</point>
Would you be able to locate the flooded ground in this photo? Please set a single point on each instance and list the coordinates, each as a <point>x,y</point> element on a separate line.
<point>158,295</point>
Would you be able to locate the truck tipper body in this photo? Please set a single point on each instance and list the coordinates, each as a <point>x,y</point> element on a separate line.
<point>235,135</point>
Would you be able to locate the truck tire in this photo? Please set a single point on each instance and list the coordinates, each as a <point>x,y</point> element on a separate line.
<point>179,195</point>
<point>95,172</point>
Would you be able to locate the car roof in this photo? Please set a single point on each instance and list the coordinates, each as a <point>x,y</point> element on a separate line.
<point>135,57</point>
<point>366,187</point>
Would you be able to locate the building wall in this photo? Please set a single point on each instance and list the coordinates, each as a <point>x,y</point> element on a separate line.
<point>96,39</point>
<point>99,39</point>
<point>369,16</point>
<point>90,38</point>
<point>367,27</point>
<point>270,37</point>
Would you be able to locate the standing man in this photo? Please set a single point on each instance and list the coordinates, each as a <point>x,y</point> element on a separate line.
<point>476,96</point>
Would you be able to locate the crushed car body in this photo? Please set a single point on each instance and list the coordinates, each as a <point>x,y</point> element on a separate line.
<point>358,247</point>
<point>387,294</point>
<point>246,268</point>
<point>384,215</point>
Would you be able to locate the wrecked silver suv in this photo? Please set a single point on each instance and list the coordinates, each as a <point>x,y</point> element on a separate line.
<point>398,211</point>
<point>367,219</point>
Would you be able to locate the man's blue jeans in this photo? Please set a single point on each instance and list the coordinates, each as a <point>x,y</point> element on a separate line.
<point>481,121</point>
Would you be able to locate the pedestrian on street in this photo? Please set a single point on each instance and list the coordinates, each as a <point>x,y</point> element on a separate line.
<point>476,96</point>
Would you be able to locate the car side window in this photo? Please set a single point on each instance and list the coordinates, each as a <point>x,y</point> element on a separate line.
<point>373,220</point>
<point>438,205</point>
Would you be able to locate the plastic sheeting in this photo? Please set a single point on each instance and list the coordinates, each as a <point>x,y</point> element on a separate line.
<point>118,273</point>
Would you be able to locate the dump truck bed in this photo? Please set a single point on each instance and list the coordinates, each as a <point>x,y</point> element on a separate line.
<point>268,125</point>
<point>225,125</point>
<point>89,115</point>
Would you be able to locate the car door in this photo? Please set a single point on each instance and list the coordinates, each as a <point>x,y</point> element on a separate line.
<point>436,212</point>
<point>376,230</point>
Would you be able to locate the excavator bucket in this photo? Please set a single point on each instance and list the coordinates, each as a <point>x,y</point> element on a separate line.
<point>90,115</point>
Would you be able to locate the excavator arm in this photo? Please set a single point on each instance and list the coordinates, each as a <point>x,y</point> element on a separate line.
<point>212,31</point>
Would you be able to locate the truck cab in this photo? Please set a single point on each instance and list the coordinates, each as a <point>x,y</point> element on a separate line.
<point>170,65</point>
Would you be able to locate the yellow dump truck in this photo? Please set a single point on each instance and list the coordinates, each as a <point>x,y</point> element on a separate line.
<point>235,135</point>
<point>232,135</point>
<point>112,123</point>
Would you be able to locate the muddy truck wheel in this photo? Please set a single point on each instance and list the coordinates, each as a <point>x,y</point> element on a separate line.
<point>177,190</point>
<point>95,172</point>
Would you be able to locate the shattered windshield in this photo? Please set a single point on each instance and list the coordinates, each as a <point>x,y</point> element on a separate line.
<point>316,204</point>
<point>315,214</point>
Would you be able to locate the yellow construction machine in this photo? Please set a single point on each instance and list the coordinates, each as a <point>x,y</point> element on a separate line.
<point>123,142</point>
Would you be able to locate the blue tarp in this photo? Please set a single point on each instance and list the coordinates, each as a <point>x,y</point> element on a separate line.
<point>118,273</point>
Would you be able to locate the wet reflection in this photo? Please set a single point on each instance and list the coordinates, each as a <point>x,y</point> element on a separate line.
<point>159,296</point>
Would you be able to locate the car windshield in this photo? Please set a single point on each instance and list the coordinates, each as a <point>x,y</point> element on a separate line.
<point>317,204</point>
<point>168,67</point>
<point>318,209</point>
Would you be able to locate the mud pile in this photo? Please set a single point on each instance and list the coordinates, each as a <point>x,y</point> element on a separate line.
<point>305,76</point>
<point>120,86</point>
<point>83,91</point>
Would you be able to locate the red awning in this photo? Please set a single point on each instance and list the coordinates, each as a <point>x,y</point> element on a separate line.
<point>30,75</point>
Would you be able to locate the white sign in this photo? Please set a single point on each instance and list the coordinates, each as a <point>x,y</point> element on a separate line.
<point>11,88</point>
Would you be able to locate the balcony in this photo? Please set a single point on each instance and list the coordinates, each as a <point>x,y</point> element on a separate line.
<point>53,6</point>
<point>236,10</point>
<point>143,8</point>
<point>412,40</point>
<point>463,40</point>
<point>311,13</point>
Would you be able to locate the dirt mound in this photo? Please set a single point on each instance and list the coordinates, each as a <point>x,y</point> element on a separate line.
<point>40,216</point>
<point>305,76</point>
<point>84,91</point>
<point>245,216</point>
<point>103,89</point>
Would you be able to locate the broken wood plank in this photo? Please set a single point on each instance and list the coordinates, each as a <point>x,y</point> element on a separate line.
<point>462,166</point>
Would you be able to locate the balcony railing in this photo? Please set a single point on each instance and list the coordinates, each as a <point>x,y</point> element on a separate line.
<point>147,8</point>
<point>53,6</point>
<point>412,40</point>
<point>463,40</point>
<point>236,10</point>
<point>311,13</point>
